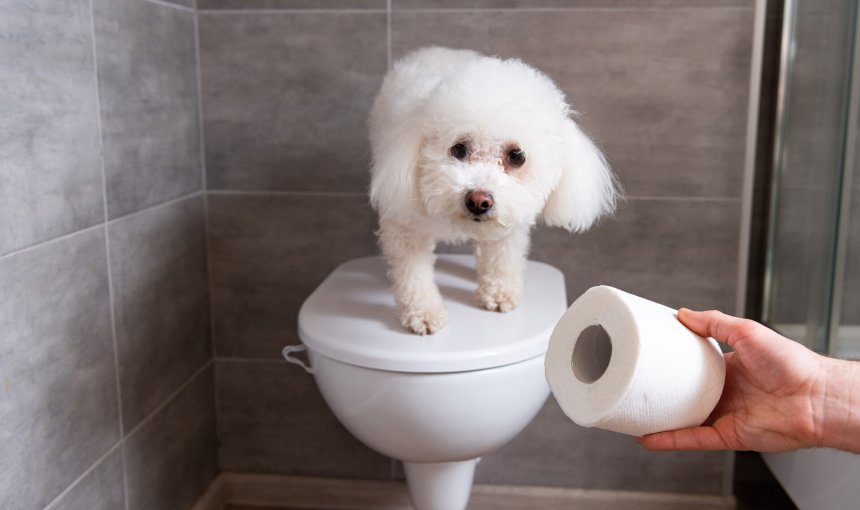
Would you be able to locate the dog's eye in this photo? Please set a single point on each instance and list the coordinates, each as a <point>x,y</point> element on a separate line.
<point>459,151</point>
<point>516,157</point>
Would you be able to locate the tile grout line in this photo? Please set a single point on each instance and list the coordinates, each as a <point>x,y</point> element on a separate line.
<point>101,224</point>
<point>167,400</point>
<point>658,198</point>
<point>52,240</point>
<point>456,10</point>
<point>392,465</point>
<point>201,132</point>
<point>172,201</point>
<point>112,304</point>
<point>361,193</point>
<point>270,361</point>
<point>204,179</point>
<point>509,10</point>
<point>206,225</point>
<point>171,5</point>
<point>392,471</point>
<point>227,12</point>
<point>222,192</point>
<point>76,481</point>
<point>115,353</point>
<point>388,16</point>
<point>286,193</point>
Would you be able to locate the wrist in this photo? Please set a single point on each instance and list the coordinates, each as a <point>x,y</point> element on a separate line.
<point>838,420</point>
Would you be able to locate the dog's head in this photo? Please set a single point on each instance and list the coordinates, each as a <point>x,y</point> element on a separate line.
<point>493,148</point>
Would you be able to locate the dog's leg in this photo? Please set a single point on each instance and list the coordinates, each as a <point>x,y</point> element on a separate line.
<point>410,268</point>
<point>501,270</point>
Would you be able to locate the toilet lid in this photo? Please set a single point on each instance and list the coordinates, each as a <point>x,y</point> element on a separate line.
<point>351,318</point>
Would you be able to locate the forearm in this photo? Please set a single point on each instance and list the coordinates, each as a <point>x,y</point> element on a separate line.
<point>840,409</point>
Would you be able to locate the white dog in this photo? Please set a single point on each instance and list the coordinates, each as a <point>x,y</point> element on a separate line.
<point>473,147</point>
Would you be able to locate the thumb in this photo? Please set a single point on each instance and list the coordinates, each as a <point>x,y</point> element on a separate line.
<point>722,327</point>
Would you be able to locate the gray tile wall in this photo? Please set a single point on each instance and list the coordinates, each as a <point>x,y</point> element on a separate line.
<point>119,248</point>
<point>149,104</point>
<point>99,489</point>
<point>286,98</point>
<point>56,347</point>
<point>558,4</point>
<point>158,266</point>
<point>106,383</point>
<point>49,134</point>
<point>662,86</point>
<point>260,246</point>
<point>285,427</point>
<point>172,459</point>
<point>290,4</point>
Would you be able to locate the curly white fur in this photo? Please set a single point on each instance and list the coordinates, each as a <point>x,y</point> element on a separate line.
<point>436,98</point>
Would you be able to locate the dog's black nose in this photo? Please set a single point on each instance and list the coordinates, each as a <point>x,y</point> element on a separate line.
<point>479,202</point>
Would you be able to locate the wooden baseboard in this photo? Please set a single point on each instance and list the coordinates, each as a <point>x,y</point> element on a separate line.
<point>252,490</point>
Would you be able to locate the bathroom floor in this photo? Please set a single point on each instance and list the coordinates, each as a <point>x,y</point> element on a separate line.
<point>754,489</point>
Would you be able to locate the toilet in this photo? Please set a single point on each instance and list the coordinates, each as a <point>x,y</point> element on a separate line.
<point>439,402</point>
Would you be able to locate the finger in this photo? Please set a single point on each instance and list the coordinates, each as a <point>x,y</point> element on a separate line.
<point>694,438</point>
<point>716,324</point>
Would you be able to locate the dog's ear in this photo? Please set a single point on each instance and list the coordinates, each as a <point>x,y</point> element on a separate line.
<point>587,189</point>
<point>393,174</point>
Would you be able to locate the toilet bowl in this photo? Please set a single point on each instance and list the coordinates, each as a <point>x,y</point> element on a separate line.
<point>438,403</point>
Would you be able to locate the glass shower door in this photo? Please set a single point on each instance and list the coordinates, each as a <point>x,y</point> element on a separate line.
<point>812,285</point>
<point>845,315</point>
<point>804,249</point>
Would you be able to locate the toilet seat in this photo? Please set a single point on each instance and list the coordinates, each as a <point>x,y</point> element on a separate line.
<point>351,318</point>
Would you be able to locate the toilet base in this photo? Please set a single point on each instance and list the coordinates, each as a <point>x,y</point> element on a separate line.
<point>440,486</point>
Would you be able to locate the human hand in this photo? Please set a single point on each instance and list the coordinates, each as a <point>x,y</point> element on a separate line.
<point>773,398</point>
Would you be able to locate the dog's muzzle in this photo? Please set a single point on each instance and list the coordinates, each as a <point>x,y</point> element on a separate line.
<point>478,203</point>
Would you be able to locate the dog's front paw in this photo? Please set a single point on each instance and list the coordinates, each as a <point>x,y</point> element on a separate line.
<point>424,320</point>
<point>499,298</point>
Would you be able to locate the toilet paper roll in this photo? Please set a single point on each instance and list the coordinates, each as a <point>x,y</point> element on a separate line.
<point>620,362</point>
